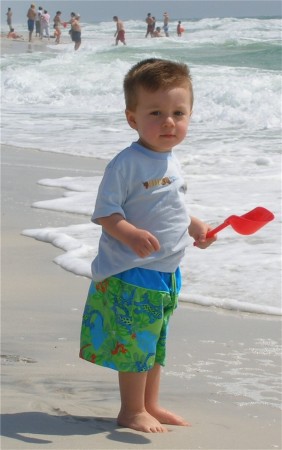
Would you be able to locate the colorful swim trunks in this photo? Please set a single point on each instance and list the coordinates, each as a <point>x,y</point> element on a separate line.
<point>125,320</point>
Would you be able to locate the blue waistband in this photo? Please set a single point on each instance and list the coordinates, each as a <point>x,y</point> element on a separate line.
<point>152,279</point>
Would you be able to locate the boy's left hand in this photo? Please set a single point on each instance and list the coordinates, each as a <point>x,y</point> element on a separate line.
<point>198,230</point>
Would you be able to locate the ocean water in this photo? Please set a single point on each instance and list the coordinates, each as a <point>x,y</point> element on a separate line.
<point>71,102</point>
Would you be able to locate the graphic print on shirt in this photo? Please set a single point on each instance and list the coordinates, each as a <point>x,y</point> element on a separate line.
<point>159,182</point>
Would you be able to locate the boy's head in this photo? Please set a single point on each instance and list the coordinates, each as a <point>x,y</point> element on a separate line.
<point>159,98</point>
<point>154,74</point>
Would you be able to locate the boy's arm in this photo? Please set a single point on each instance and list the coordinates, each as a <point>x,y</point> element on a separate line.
<point>198,230</point>
<point>140,241</point>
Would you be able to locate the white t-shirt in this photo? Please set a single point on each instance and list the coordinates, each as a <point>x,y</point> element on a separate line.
<point>147,189</point>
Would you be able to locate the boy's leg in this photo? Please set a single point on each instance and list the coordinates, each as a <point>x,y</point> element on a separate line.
<point>152,388</point>
<point>133,413</point>
<point>152,400</point>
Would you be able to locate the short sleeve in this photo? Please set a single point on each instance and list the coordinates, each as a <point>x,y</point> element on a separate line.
<point>111,194</point>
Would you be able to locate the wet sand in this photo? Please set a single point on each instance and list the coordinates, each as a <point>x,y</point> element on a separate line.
<point>223,371</point>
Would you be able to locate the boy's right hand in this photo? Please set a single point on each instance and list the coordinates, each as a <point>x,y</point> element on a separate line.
<point>143,243</point>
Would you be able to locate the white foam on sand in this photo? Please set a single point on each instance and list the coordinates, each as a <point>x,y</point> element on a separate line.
<point>223,276</point>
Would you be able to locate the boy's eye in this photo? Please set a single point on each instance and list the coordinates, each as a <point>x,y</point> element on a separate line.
<point>176,113</point>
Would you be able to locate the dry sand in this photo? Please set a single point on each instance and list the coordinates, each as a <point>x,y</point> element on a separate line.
<point>222,373</point>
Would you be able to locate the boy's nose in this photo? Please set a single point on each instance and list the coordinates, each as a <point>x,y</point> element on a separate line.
<point>168,121</point>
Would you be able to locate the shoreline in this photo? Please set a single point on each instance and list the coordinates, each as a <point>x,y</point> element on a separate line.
<point>223,367</point>
<point>243,308</point>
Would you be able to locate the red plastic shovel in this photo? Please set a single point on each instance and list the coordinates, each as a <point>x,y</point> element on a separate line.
<point>248,223</point>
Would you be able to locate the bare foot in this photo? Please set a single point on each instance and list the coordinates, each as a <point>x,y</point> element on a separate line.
<point>167,417</point>
<point>142,421</point>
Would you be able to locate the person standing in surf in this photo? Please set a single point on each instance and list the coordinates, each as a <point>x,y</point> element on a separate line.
<point>165,27</point>
<point>136,277</point>
<point>150,25</point>
<point>76,31</point>
<point>120,32</point>
<point>31,16</point>
<point>9,15</point>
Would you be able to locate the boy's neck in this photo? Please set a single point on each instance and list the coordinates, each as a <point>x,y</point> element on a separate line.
<point>140,142</point>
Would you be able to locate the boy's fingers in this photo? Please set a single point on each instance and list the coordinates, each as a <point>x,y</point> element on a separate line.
<point>155,243</point>
<point>202,237</point>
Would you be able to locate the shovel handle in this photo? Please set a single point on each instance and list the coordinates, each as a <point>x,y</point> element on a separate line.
<point>211,233</point>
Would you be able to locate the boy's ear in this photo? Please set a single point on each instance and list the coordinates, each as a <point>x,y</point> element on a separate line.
<point>130,116</point>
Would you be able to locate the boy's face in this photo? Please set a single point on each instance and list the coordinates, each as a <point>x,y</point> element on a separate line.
<point>161,118</point>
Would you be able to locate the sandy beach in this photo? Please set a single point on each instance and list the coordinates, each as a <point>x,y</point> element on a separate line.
<point>222,373</point>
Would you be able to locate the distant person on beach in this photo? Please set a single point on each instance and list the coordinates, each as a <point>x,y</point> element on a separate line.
<point>76,30</point>
<point>57,27</point>
<point>150,25</point>
<point>31,16</point>
<point>13,35</point>
<point>166,20</point>
<point>140,206</point>
<point>39,13</point>
<point>154,24</point>
<point>45,24</point>
<point>120,33</point>
<point>179,29</point>
<point>157,32</point>
<point>9,15</point>
<point>72,15</point>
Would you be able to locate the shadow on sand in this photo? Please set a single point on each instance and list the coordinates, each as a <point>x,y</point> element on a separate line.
<point>22,426</point>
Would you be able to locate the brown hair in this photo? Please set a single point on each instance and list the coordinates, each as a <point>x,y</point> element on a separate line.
<point>153,74</point>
